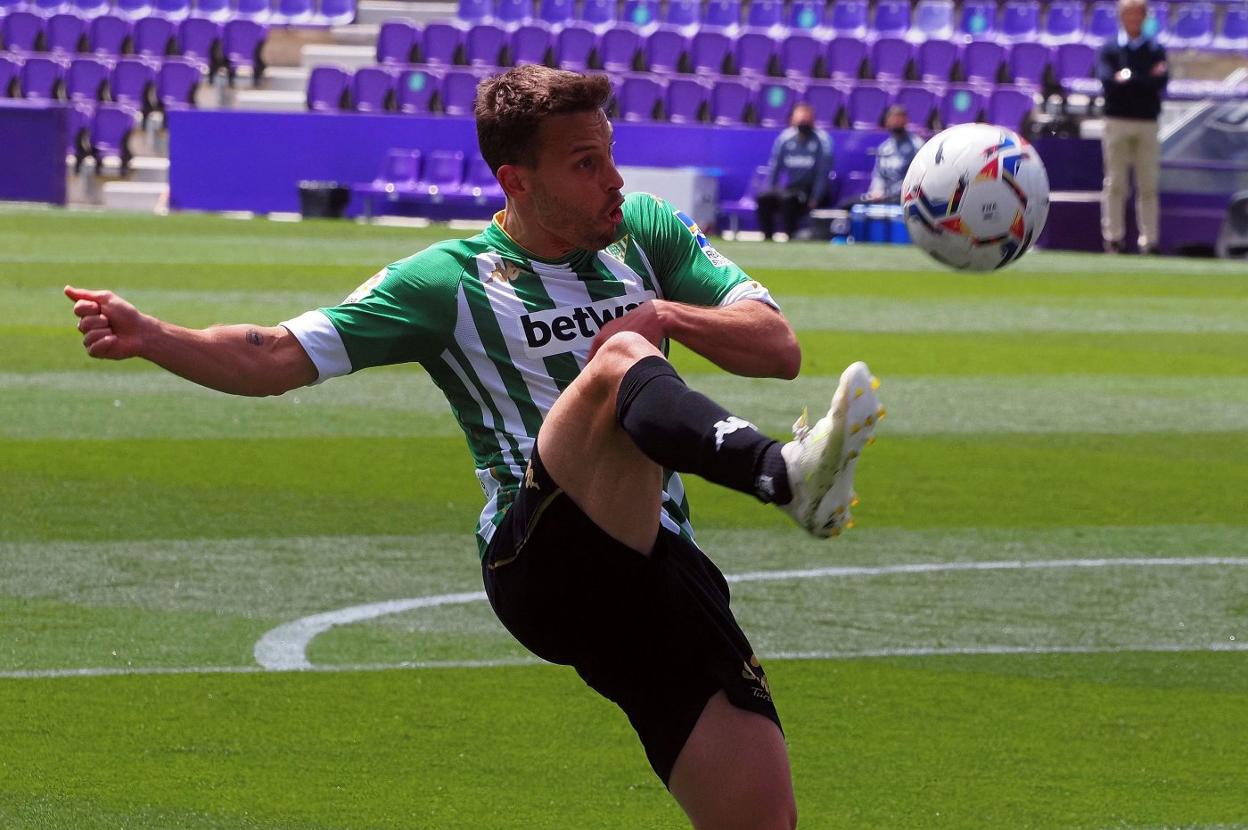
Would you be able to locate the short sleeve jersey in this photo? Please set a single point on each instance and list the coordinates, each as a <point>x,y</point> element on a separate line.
<point>503,332</point>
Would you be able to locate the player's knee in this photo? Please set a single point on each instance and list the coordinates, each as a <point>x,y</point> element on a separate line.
<point>617,355</point>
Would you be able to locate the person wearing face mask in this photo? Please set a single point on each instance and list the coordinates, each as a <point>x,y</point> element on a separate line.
<point>1133,70</point>
<point>797,180</point>
<point>892,159</point>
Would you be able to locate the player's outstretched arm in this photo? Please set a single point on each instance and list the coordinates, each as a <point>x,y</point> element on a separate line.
<point>241,360</point>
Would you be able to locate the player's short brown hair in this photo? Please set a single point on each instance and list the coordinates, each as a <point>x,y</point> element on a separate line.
<point>510,107</point>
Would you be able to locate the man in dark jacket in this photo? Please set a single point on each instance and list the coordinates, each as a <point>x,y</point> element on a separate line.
<point>1132,68</point>
<point>801,157</point>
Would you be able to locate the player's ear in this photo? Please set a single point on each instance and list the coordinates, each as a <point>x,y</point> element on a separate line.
<point>514,180</point>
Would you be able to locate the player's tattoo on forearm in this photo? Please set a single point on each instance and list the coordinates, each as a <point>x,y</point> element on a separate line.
<point>255,338</point>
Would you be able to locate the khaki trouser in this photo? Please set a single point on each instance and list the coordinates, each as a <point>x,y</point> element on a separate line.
<point>1130,143</point>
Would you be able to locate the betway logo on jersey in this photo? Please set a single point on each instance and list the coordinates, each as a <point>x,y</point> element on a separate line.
<point>568,329</point>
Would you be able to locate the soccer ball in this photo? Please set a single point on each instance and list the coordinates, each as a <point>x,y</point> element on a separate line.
<point>976,197</point>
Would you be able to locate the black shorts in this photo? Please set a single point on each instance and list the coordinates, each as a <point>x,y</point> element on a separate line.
<point>654,634</point>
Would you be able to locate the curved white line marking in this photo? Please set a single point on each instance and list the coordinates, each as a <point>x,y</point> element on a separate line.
<point>286,647</point>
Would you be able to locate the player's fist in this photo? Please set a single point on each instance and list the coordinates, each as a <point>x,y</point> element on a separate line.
<point>644,320</point>
<point>111,327</point>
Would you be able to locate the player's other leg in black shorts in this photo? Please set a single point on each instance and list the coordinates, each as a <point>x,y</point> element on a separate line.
<point>654,634</point>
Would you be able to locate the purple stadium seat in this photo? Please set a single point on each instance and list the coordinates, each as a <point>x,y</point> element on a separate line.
<point>217,11</point>
<point>1029,63</point>
<point>574,44</point>
<point>512,13</point>
<point>153,36</point>
<point>745,206</point>
<point>132,9</point>
<point>665,50</point>
<point>440,44</point>
<point>1073,62</point>
<point>932,19</point>
<point>763,14</point>
<point>849,18</point>
<point>65,33</point>
<point>776,99</point>
<point>399,174</point>
<point>133,83</point>
<point>256,10</point>
<point>443,174</point>
<point>89,9</point>
<point>41,77</point>
<point>753,53</point>
<point>961,105</point>
<point>415,91</point>
<point>1191,26</point>
<point>484,44</point>
<point>978,19</point>
<point>293,12</point>
<point>687,100</point>
<point>334,12</point>
<point>1020,20</point>
<point>1233,35</point>
<point>639,98</point>
<point>78,140</point>
<point>556,11</point>
<point>199,39</point>
<point>110,133</point>
<point>618,48</point>
<point>474,10</point>
<point>7,6</point>
<point>1102,22</point>
<point>109,35</point>
<point>826,100</point>
<point>598,13</point>
<point>177,82</point>
<point>935,60</point>
<point>47,8</point>
<point>372,89</point>
<point>87,79</point>
<point>1009,107</point>
<point>643,14</point>
<point>531,43</point>
<point>708,50</point>
<point>891,18</point>
<point>981,61</point>
<point>845,56</point>
<point>731,101</point>
<point>866,105</point>
<point>328,89</point>
<point>396,42</point>
<point>480,188</point>
<point>920,104</point>
<point>683,14</point>
<point>1063,22</point>
<point>890,58</point>
<point>459,91</point>
<point>22,31</point>
<point>722,14</point>
<point>800,56</point>
<point>806,15</point>
<point>175,10</point>
<point>10,67</point>
<point>241,43</point>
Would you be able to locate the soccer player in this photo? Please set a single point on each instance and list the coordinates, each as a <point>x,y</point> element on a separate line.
<point>547,334</point>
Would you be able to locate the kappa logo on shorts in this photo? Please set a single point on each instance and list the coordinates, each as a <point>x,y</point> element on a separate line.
<point>529,482</point>
<point>748,673</point>
<point>728,426</point>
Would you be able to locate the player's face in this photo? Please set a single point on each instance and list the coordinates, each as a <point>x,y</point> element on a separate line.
<point>576,190</point>
<point>1133,20</point>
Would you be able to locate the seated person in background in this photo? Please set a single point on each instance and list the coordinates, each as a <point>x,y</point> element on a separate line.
<point>892,160</point>
<point>802,155</point>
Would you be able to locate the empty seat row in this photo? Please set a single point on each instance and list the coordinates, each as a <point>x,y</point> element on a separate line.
<point>138,83</point>
<point>287,12</point>
<point>751,54</point>
<point>228,46</point>
<point>461,184</point>
<point>642,97</point>
<point>1198,24</point>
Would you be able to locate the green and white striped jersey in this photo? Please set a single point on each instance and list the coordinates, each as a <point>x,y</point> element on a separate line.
<point>502,332</point>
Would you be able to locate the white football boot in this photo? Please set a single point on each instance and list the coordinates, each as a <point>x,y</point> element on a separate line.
<point>821,459</point>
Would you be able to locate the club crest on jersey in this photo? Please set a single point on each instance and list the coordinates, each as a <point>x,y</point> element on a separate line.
<point>617,249</point>
<point>366,287</point>
<point>717,259</point>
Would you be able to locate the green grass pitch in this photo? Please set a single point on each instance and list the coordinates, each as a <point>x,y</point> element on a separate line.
<point>1039,621</point>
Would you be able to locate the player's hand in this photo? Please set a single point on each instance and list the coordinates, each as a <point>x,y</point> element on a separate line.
<point>644,319</point>
<point>1160,69</point>
<point>111,327</point>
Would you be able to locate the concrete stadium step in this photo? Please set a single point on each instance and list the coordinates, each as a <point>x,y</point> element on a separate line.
<point>269,100</point>
<point>352,57</point>
<point>139,197</point>
<point>149,170</point>
<point>357,34</point>
<point>379,11</point>
<point>285,78</point>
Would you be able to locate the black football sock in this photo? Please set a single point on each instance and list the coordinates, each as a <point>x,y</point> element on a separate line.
<point>688,432</point>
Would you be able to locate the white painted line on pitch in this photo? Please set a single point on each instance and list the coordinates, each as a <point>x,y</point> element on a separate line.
<point>286,647</point>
